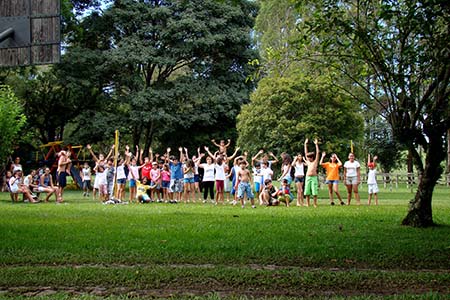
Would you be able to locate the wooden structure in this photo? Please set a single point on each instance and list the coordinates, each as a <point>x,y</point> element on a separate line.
<point>51,160</point>
<point>29,32</point>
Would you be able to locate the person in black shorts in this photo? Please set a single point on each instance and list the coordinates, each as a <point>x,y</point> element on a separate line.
<point>63,165</point>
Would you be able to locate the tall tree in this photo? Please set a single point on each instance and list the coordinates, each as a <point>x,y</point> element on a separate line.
<point>11,121</point>
<point>379,140</point>
<point>173,65</point>
<point>276,31</point>
<point>285,110</point>
<point>294,100</point>
<point>403,47</point>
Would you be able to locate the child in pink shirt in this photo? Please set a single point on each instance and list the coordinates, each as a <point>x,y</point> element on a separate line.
<point>165,176</point>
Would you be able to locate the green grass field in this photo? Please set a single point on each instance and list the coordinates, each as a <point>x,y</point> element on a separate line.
<point>85,250</point>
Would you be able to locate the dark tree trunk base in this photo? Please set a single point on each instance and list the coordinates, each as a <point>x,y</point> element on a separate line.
<point>416,218</point>
<point>420,212</point>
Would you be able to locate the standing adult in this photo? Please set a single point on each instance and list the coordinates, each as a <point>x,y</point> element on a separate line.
<point>352,178</point>
<point>16,166</point>
<point>208,178</point>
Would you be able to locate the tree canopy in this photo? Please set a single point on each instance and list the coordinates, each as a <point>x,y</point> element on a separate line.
<point>172,70</point>
<point>397,53</point>
<point>295,99</point>
<point>168,66</point>
<point>284,111</point>
<point>12,120</point>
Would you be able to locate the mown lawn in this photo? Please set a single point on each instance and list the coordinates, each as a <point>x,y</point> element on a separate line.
<point>86,249</point>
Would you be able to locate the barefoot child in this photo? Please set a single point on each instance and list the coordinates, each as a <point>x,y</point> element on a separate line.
<point>244,184</point>
<point>312,182</point>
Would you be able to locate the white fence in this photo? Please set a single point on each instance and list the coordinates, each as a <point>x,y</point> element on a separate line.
<point>390,180</point>
<point>393,180</point>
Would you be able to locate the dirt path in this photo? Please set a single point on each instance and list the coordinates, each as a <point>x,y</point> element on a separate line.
<point>212,266</point>
<point>204,280</point>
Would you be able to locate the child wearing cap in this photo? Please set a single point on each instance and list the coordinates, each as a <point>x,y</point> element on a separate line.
<point>372,185</point>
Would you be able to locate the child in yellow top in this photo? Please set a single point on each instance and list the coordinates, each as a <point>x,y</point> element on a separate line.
<point>141,190</point>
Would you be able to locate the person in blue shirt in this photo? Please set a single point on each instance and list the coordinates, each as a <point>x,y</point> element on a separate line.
<point>176,176</point>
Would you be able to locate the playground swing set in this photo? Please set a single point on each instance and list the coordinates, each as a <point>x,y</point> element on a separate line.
<point>52,162</point>
<point>50,158</point>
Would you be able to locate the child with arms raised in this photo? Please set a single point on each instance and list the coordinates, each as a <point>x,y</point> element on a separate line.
<point>312,181</point>
<point>372,185</point>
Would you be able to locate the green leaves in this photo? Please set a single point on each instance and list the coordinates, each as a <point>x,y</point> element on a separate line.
<point>284,111</point>
<point>12,120</point>
<point>178,65</point>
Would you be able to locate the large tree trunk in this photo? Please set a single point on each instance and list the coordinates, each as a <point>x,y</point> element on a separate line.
<point>136,137</point>
<point>51,134</point>
<point>420,210</point>
<point>448,152</point>
<point>410,168</point>
<point>148,137</point>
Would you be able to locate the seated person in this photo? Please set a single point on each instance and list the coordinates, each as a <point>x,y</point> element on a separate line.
<point>16,186</point>
<point>5,183</point>
<point>284,193</point>
<point>29,182</point>
<point>46,185</point>
<point>141,190</point>
<point>269,195</point>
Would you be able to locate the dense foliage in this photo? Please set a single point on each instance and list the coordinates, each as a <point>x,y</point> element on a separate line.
<point>12,120</point>
<point>284,111</point>
<point>165,68</point>
<point>162,72</point>
<point>397,53</point>
<point>296,99</point>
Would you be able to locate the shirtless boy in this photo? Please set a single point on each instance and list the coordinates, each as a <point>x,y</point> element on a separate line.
<point>244,185</point>
<point>222,146</point>
<point>63,165</point>
<point>312,182</point>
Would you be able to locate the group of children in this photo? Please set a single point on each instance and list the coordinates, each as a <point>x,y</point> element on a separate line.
<point>182,178</point>
<point>177,178</point>
<point>38,181</point>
